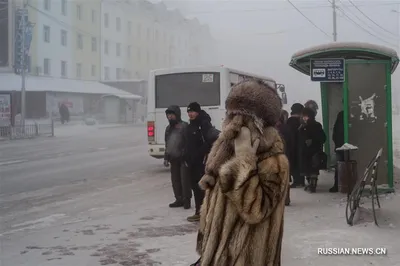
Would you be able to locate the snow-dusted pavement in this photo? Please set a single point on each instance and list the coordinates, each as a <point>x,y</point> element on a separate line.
<point>85,215</point>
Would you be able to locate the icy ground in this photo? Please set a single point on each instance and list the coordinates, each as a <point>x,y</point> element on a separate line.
<point>124,220</point>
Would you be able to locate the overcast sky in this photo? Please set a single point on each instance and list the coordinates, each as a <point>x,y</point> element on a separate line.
<point>261,36</point>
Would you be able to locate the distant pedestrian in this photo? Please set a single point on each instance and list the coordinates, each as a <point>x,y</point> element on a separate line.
<point>174,152</point>
<point>200,136</point>
<point>64,113</point>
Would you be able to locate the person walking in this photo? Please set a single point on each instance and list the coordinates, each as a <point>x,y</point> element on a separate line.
<point>174,151</point>
<point>200,136</point>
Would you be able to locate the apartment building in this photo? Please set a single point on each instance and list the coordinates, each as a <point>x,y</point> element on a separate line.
<point>139,36</point>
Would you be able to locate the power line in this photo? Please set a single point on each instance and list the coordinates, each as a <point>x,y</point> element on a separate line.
<point>366,24</point>
<point>358,25</point>
<point>351,2</point>
<point>309,20</point>
<point>283,9</point>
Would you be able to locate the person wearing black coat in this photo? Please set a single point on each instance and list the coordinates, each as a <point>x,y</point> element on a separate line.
<point>338,139</point>
<point>289,140</point>
<point>311,140</point>
<point>200,136</point>
<point>294,123</point>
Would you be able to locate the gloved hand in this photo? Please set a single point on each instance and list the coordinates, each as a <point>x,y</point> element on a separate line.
<point>243,145</point>
<point>308,142</point>
<point>166,163</point>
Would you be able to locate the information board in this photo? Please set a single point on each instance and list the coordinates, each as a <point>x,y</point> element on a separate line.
<point>327,70</point>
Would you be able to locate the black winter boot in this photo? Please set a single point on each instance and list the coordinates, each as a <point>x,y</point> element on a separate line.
<point>313,184</point>
<point>187,204</point>
<point>176,204</point>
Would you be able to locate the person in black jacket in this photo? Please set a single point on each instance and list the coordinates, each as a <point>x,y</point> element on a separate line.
<point>288,138</point>
<point>312,138</point>
<point>338,139</point>
<point>200,136</point>
<point>174,151</point>
<point>294,123</point>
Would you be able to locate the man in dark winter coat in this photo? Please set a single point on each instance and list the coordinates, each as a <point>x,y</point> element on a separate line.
<point>294,123</point>
<point>174,152</point>
<point>288,138</point>
<point>338,139</point>
<point>200,136</point>
<point>312,138</point>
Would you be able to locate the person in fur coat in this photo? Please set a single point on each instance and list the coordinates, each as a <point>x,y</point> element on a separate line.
<point>246,181</point>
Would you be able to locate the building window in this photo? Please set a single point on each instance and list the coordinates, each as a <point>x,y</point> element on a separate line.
<point>47,5</point>
<point>128,51</point>
<point>106,47</point>
<point>118,49</point>
<point>93,70</point>
<point>129,27</point>
<point>93,16</point>
<point>105,20</point>
<point>106,73</point>
<point>46,33</point>
<point>64,7</point>
<point>118,73</point>
<point>79,41</point>
<point>63,69</point>
<point>79,12</point>
<point>63,37</point>
<point>46,66</point>
<point>118,24</point>
<point>79,70</point>
<point>138,55</point>
<point>139,30</point>
<point>94,44</point>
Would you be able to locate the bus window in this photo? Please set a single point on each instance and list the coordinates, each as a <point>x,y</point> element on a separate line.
<point>182,88</point>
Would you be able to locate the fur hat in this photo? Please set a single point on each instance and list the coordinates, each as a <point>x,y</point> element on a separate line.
<point>257,99</point>
<point>194,107</point>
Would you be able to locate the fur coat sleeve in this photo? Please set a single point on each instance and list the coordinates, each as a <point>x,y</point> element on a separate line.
<point>255,186</point>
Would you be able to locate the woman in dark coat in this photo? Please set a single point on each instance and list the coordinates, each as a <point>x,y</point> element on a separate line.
<point>311,140</point>
<point>289,140</point>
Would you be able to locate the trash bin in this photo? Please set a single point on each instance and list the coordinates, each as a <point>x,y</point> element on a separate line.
<point>347,176</point>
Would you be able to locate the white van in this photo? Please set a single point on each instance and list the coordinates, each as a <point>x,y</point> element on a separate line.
<point>208,86</point>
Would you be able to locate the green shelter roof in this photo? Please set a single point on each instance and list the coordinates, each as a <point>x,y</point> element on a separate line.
<point>347,50</point>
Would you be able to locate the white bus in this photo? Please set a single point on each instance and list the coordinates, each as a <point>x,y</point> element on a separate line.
<point>208,86</point>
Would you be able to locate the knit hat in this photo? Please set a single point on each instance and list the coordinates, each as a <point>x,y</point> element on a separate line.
<point>310,113</point>
<point>296,109</point>
<point>194,107</point>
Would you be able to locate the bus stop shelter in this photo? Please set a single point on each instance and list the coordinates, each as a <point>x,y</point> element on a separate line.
<point>355,78</point>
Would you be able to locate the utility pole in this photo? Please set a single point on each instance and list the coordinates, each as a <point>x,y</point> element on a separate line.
<point>334,21</point>
<point>23,66</point>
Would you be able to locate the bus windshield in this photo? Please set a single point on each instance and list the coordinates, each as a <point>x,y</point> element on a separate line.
<point>182,88</point>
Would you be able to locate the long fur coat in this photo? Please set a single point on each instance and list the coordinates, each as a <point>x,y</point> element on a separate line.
<point>241,220</point>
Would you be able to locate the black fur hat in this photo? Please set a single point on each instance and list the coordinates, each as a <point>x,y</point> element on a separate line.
<point>255,98</point>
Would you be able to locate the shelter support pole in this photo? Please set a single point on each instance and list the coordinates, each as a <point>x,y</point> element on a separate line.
<point>389,124</point>
<point>334,21</point>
